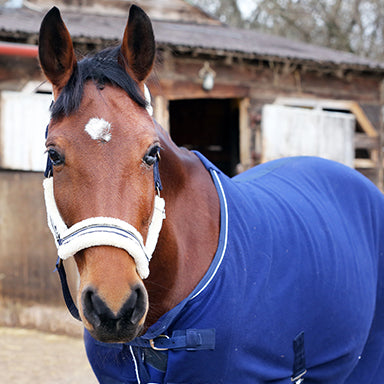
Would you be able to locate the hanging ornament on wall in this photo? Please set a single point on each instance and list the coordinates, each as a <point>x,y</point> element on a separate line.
<point>207,74</point>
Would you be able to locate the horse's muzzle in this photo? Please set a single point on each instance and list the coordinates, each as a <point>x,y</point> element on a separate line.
<point>109,327</point>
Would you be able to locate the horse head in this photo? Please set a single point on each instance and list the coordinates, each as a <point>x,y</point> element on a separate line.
<point>104,148</point>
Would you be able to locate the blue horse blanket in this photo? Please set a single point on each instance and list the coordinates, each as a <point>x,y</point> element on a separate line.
<point>300,250</point>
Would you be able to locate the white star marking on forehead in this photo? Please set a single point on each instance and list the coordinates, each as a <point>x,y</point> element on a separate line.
<point>99,129</point>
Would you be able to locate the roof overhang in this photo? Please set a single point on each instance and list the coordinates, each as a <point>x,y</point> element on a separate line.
<point>214,40</point>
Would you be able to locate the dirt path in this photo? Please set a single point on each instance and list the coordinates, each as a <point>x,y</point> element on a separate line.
<point>33,357</point>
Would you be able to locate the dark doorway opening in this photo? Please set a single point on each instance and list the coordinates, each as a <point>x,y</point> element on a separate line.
<point>210,126</point>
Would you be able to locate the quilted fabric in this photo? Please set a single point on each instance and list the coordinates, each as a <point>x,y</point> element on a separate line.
<point>301,250</point>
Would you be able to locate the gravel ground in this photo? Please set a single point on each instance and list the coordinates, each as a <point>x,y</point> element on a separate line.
<point>33,357</point>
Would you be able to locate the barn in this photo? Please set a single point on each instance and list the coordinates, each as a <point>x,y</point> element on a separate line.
<point>238,96</point>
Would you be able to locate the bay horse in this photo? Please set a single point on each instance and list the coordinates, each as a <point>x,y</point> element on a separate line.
<point>273,276</point>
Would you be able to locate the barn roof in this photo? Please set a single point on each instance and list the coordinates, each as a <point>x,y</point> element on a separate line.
<point>23,25</point>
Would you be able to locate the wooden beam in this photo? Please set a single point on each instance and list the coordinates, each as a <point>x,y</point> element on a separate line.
<point>161,111</point>
<point>244,133</point>
<point>178,90</point>
<point>363,141</point>
<point>363,119</point>
<point>364,163</point>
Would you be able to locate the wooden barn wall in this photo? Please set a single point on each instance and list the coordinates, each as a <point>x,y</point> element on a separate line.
<point>176,76</point>
<point>262,82</point>
<point>15,72</point>
<point>27,250</point>
<point>24,248</point>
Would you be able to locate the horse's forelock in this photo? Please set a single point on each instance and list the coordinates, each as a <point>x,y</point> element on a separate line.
<point>102,68</point>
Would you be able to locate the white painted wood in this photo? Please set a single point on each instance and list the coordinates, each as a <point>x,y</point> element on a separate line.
<point>290,131</point>
<point>24,117</point>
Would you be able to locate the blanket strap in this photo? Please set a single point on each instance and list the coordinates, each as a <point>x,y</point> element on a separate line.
<point>151,354</point>
<point>299,359</point>
<point>189,339</point>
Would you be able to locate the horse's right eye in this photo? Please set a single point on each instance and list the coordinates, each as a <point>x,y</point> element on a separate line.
<point>152,155</point>
<point>55,156</point>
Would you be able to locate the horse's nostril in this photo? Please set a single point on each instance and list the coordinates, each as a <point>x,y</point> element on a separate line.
<point>136,305</point>
<point>94,308</point>
<point>98,314</point>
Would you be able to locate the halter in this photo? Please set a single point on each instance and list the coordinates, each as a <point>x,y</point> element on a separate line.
<point>97,231</point>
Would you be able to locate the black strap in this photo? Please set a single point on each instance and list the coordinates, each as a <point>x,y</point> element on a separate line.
<point>155,350</point>
<point>299,359</point>
<point>66,292</point>
<point>156,176</point>
<point>188,339</point>
<point>48,168</point>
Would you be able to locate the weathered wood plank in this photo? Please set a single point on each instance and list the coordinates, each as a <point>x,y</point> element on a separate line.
<point>178,90</point>
<point>362,141</point>
<point>245,134</point>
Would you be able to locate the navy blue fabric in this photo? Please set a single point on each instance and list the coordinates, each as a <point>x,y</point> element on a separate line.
<point>300,250</point>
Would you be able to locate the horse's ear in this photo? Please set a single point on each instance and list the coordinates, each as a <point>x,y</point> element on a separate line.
<point>56,53</point>
<point>138,45</point>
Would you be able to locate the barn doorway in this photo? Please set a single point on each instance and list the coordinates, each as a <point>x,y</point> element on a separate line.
<point>210,126</point>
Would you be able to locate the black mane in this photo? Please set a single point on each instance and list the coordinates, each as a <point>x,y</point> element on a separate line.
<point>102,68</point>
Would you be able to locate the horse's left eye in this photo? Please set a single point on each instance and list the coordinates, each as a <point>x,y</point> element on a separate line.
<point>152,155</point>
<point>55,156</point>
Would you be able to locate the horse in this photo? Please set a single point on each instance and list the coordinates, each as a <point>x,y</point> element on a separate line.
<point>273,276</point>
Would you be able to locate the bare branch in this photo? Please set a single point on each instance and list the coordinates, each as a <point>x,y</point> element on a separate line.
<point>351,25</point>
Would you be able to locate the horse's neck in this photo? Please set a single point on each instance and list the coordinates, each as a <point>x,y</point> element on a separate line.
<point>189,237</point>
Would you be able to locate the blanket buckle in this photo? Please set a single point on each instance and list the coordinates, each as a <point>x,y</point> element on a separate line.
<point>153,346</point>
<point>298,379</point>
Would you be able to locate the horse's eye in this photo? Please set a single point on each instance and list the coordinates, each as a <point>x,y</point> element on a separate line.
<point>152,155</point>
<point>55,156</point>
